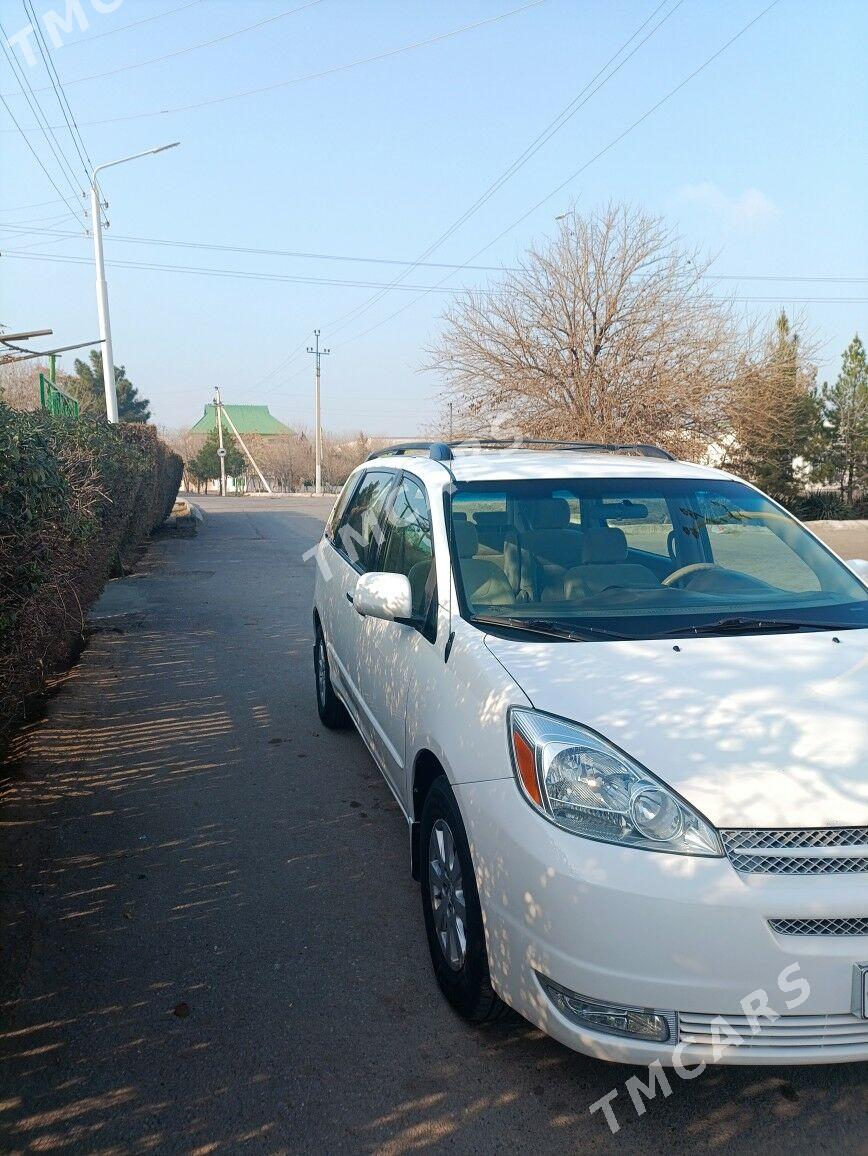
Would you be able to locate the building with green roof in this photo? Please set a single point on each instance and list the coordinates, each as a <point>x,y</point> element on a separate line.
<point>247,419</point>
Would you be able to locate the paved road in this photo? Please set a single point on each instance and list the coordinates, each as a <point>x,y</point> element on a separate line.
<point>212,943</point>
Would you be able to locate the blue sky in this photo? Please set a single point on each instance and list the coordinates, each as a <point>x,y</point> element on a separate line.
<point>760,159</point>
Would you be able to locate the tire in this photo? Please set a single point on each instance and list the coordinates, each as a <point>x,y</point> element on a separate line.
<point>462,975</point>
<point>332,711</point>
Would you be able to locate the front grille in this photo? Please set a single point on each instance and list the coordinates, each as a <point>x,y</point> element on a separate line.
<point>794,838</point>
<point>789,1033</point>
<point>820,926</point>
<point>798,850</point>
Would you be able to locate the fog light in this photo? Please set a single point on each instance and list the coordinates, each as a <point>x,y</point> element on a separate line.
<point>632,1022</point>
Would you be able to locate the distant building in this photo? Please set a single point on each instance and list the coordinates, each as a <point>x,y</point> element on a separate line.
<point>247,419</point>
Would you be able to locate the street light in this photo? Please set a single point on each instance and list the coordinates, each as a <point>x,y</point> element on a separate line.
<point>105,328</point>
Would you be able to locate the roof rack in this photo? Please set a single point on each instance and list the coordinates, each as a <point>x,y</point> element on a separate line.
<point>437,451</point>
<point>442,451</point>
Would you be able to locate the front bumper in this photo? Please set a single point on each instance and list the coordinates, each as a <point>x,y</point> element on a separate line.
<point>664,932</point>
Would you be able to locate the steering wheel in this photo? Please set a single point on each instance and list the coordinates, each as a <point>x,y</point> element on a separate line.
<point>675,578</point>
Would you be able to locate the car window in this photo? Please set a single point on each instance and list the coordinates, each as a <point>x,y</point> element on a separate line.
<point>735,554</point>
<point>408,548</point>
<point>645,521</point>
<point>747,543</point>
<point>362,528</point>
<point>574,504</point>
<point>341,504</point>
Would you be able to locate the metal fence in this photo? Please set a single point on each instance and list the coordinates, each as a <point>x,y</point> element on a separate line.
<point>56,400</point>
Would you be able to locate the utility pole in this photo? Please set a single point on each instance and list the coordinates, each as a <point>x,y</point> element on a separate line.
<point>450,422</point>
<point>318,434</point>
<point>105,326</point>
<point>218,411</point>
<point>240,441</point>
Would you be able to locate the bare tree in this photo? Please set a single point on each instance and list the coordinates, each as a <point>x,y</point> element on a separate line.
<point>19,384</point>
<point>608,333</point>
<point>187,446</point>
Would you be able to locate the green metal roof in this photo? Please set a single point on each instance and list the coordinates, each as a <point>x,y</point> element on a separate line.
<point>247,419</point>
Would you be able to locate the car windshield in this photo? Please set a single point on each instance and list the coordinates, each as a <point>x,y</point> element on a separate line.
<point>628,558</point>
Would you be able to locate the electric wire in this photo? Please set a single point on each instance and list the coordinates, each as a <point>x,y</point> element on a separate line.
<point>184,51</point>
<point>310,76</point>
<point>301,254</point>
<point>582,97</point>
<point>45,128</point>
<point>243,274</point>
<point>602,152</point>
<point>38,158</point>
<point>59,93</point>
<point>593,86</point>
<point>133,24</point>
<point>33,205</point>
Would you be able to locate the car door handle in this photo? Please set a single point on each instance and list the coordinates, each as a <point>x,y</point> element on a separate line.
<point>350,597</point>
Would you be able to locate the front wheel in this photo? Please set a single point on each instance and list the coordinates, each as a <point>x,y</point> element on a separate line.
<point>332,711</point>
<point>450,905</point>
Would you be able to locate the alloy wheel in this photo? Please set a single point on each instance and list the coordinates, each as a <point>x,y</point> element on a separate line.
<point>447,895</point>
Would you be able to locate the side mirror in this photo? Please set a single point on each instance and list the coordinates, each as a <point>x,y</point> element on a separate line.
<point>386,596</point>
<point>859,566</point>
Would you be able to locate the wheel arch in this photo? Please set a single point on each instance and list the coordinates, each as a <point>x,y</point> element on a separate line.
<point>427,768</point>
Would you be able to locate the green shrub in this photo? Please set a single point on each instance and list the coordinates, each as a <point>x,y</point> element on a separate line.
<point>827,505</point>
<point>75,497</point>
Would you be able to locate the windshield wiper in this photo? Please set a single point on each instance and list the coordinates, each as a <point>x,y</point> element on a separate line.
<point>546,627</point>
<point>741,625</point>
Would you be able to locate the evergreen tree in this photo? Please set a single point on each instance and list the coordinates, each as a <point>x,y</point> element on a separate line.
<point>845,413</point>
<point>206,464</point>
<point>88,387</point>
<point>777,414</point>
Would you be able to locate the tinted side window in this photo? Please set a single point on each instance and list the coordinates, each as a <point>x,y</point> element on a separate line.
<point>408,548</point>
<point>340,505</point>
<point>361,529</point>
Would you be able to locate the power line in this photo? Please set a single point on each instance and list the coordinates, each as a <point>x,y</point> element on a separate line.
<point>35,205</point>
<point>243,274</point>
<point>184,51</point>
<point>554,126</point>
<point>38,158</point>
<point>579,101</point>
<point>606,148</point>
<point>251,275</point>
<point>782,277</point>
<point>212,247</point>
<point>301,254</point>
<point>36,109</point>
<point>310,76</point>
<point>36,244</point>
<point>59,93</point>
<point>134,24</point>
<point>41,119</point>
<point>14,226</point>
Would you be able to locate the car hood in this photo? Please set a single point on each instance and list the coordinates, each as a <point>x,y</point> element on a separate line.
<point>754,730</point>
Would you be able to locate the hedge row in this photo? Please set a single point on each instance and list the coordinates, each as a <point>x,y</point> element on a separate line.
<point>77,497</point>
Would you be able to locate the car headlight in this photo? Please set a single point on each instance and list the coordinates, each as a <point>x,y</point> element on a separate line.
<point>586,785</point>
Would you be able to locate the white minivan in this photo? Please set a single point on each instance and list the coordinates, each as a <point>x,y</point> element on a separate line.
<point>622,701</point>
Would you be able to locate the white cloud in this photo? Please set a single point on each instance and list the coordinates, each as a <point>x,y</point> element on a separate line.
<point>749,208</point>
